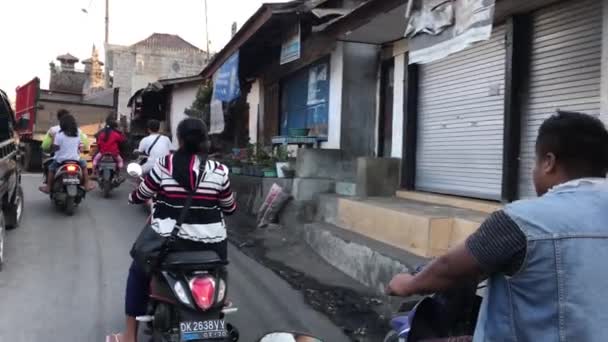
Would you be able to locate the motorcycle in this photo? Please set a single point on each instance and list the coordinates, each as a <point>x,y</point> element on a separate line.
<point>67,191</point>
<point>288,337</point>
<point>107,173</point>
<point>446,316</point>
<point>188,296</point>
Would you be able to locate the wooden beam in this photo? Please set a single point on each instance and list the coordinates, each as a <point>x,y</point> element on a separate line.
<point>410,126</point>
<point>518,51</point>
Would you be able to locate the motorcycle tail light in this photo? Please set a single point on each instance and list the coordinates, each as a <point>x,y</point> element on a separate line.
<point>71,168</point>
<point>203,291</point>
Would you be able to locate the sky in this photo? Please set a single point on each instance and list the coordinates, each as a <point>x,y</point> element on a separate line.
<point>34,32</point>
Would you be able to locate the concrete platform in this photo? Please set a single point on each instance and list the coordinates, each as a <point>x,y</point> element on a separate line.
<point>453,201</point>
<point>420,228</point>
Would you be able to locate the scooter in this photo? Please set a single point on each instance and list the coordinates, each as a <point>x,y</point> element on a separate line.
<point>188,296</point>
<point>107,173</point>
<point>67,191</point>
<point>450,315</point>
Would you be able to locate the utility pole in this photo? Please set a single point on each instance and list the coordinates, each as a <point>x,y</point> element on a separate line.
<point>107,39</point>
<point>206,32</point>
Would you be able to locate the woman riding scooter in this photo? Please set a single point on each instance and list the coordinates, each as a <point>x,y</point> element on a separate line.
<point>108,143</point>
<point>171,179</point>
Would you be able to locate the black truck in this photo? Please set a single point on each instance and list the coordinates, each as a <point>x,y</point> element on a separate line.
<point>11,192</point>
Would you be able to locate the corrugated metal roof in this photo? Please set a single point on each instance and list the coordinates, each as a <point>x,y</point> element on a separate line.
<point>167,41</point>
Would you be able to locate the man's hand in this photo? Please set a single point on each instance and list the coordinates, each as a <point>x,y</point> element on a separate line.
<point>401,285</point>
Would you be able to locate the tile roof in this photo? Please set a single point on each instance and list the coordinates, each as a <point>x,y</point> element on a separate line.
<point>163,40</point>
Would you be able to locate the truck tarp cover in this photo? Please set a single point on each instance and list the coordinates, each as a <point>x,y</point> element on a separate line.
<point>25,106</point>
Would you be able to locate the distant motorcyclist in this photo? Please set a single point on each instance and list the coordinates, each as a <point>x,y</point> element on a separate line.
<point>67,146</point>
<point>109,141</point>
<point>49,138</point>
<point>155,146</point>
<point>170,181</point>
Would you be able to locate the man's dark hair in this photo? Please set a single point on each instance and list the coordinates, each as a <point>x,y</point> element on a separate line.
<point>61,113</point>
<point>579,142</point>
<point>68,125</point>
<point>154,125</point>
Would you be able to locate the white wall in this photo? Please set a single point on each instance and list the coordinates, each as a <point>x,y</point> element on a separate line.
<point>182,97</point>
<point>399,50</point>
<point>336,79</point>
<point>254,100</point>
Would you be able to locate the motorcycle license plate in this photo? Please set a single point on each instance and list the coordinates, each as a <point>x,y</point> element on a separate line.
<point>203,330</point>
<point>71,181</point>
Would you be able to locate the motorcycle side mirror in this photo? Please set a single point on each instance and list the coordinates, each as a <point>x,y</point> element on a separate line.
<point>288,337</point>
<point>134,170</point>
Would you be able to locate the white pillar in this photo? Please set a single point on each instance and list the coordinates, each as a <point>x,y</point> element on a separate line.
<point>254,100</point>
<point>336,80</point>
<point>399,50</point>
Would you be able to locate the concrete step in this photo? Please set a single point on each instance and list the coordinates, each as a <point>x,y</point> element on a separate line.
<point>453,201</point>
<point>419,228</point>
<point>366,260</point>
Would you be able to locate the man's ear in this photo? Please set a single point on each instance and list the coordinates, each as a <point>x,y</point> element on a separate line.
<point>549,163</point>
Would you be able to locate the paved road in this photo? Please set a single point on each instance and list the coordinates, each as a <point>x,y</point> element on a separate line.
<point>64,277</point>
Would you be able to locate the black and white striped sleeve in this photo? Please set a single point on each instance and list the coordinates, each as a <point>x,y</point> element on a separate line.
<point>499,245</point>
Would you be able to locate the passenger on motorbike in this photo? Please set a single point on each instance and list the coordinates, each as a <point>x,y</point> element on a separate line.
<point>170,181</point>
<point>109,141</point>
<point>67,146</point>
<point>544,257</point>
<point>49,138</point>
<point>155,145</point>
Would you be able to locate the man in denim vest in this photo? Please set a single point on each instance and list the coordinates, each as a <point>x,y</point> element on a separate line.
<point>546,258</point>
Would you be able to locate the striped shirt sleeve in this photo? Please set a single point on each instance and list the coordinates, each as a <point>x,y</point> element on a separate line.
<point>149,186</point>
<point>226,197</point>
<point>499,245</point>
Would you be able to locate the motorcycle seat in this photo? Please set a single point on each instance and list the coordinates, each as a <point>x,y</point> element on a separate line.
<point>192,258</point>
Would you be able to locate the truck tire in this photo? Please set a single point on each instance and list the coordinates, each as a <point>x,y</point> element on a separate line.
<point>32,159</point>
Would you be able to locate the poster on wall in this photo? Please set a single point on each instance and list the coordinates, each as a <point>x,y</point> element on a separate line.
<point>291,47</point>
<point>226,85</point>
<point>440,28</point>
<point>216,117</point>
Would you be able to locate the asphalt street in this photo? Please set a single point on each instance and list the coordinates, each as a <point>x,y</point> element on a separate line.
<point>64,277</point>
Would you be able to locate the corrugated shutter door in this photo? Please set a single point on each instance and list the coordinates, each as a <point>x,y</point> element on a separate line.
<point>461,120</point>
<point>565,72</point>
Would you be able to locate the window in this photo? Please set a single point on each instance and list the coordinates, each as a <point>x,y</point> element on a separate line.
<point>305,100</point>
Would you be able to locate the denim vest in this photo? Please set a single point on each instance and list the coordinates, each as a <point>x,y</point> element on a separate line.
<point>561,291</point>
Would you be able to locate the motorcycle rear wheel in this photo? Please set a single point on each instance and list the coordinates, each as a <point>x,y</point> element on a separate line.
<point>106,188</point>
<point>69,206</point>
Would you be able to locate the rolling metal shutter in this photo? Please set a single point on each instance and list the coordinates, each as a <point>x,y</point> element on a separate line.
<point>565,72</point>
<point>461,120</point>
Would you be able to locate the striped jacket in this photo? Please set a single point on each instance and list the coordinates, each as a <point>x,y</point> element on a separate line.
<point>205,219</point>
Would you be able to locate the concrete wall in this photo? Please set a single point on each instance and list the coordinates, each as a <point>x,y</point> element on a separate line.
<point>336,78</point>
<point>182,97</point>
<point>359,99</point>
<point>135,67</point>
<point>254,99</point>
